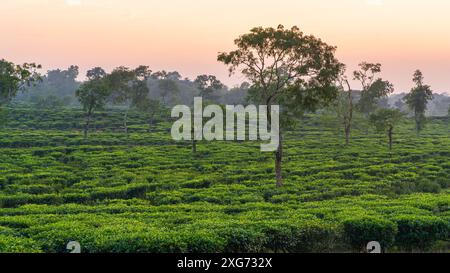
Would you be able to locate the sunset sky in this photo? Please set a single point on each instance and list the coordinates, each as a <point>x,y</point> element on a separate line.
<point>186,35</point>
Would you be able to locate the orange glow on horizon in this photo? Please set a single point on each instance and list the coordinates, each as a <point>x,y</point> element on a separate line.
<point>186,36</point>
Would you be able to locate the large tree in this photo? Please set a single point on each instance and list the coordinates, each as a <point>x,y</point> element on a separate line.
<point>286,68</point>
<point>93,94</point>
<point>418,98</point>
<point>373,87</point>
<point>15,78</point>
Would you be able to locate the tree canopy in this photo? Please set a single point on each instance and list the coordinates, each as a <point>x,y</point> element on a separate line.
<point>285,67</point>
<point>385,120</point>
<point>15,78</point>
<point>373,88</point>
<point>418,98</point>
<point>208,85</point>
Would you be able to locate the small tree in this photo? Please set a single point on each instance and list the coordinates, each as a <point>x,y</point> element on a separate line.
<point>93,94</point>
<point>287,68</point>
<point>417,100</point>
<point>372,91</point>
<point>129,88</point>
<point>385,120</point>
<point>208,86</point>
<point>344,106</point>
<point>373,88</point>
<point>151,108</point>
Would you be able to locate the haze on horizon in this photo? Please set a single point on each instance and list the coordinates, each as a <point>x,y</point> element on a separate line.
<point>403,35</point>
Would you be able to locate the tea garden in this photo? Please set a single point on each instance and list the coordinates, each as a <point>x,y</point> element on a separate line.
<point>147,193</point>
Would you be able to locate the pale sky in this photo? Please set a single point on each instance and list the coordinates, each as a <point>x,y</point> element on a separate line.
<point>186,35</point>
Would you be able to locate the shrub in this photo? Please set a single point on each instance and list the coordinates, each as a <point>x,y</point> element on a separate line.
<point>299,237</point>
<point>359,231</point>
<point>420,232</point>
<point>10,244</point>
<point>242,239</point>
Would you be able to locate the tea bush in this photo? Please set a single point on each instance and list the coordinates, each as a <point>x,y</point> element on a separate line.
<point>148,193</point>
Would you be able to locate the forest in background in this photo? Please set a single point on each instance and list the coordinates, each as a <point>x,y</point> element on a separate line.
<point>58,87</point>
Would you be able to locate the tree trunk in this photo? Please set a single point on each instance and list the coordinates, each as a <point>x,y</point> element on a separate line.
<point>348,125</point>
<point>125,123</point>
<point>194,142</point>
<point>278,159</point>
<point>150,125</point>
<point>151,122</point>
<point>390,134</point>
<point>416,119</point>
<point>86,126</point>
<point>279,151</point>
<point>347,134</point>
<point>419,122</point>
<point>194,146</point>
<point>94,123</point>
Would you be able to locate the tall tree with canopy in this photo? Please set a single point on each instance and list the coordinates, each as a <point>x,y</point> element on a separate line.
<point>208,86</point>
<point>418,98</point>
<point>373,88</point>
<point>93,94</point>
<point>286,68</point>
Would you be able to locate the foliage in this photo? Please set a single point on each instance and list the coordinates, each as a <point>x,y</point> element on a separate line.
<point>208,84</point>
<point>57,87</point>
<point>420,232</point>
<point>373,89</point>
<point>93,93</point>
<point>15,78</point>
<point>286,68</point>
<point>383,119</point>
<point>146,193</point>
<point>418,98</point>
<point>359,231</point>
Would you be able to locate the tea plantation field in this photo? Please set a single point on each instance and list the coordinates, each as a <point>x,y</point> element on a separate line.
<point>147,193</point>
